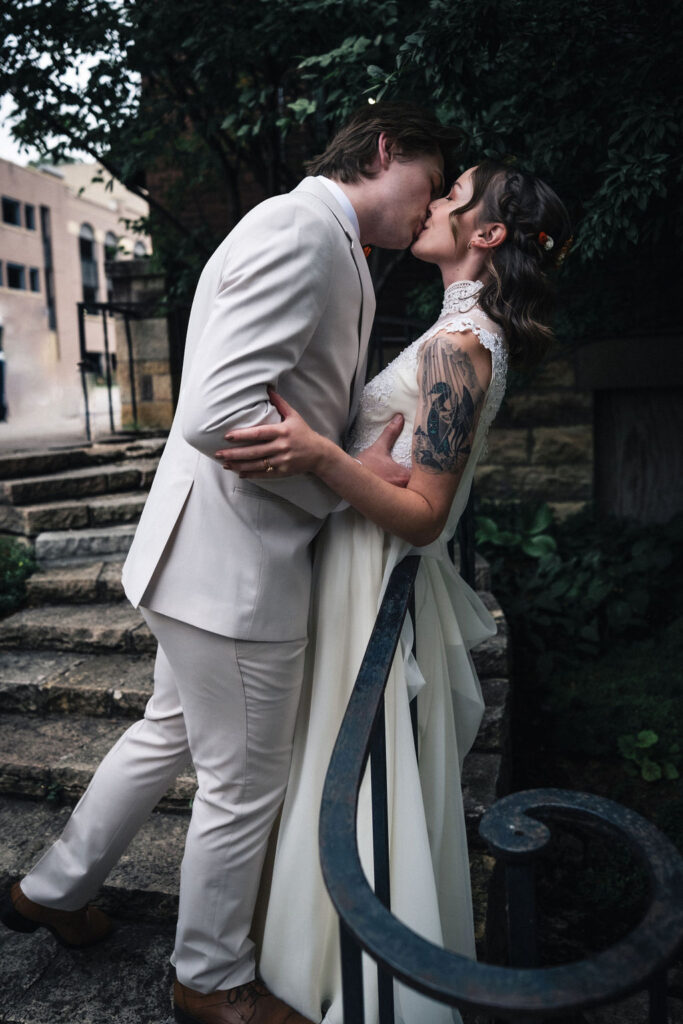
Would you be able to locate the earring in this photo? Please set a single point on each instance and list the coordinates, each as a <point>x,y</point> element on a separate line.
<point>469,244</point>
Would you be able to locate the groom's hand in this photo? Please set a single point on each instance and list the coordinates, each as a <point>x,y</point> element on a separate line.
<point>377,457</point>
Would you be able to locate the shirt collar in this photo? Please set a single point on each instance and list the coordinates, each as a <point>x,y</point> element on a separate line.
<point>342,199</point>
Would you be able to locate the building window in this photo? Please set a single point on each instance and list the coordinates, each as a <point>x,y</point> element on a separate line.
<point>139,251</point>
<point>111,246</point>
<point>11,211</point>
<point>45,231</point>
<point>86,243</point>
<point>34,279</point>
<point>16,276</point>
<point>30,216</point>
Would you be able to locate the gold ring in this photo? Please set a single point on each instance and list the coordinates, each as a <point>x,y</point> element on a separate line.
<point>268,467</point>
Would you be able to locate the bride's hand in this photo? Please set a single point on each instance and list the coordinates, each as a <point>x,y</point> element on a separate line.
<point>275,449</point>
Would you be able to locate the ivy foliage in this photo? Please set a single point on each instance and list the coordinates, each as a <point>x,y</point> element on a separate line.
<point>16,565</point>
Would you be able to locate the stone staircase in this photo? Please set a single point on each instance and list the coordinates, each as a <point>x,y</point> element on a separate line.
<point>76,668</point>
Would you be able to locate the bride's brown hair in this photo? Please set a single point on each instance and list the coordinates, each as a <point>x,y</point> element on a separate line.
<point>521,293</point>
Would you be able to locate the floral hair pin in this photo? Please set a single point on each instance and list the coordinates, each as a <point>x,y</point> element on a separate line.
<point>562,254</point>
<point>546,241</point>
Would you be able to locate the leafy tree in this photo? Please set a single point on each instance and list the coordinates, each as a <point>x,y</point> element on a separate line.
<point>190,102</point>
<point>199,100</point>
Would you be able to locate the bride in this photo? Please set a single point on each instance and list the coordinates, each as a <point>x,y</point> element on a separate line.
<point>496,237</point>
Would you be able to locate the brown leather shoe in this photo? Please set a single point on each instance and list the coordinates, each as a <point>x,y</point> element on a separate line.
<point>246,1004</point>
<point>77,928</point>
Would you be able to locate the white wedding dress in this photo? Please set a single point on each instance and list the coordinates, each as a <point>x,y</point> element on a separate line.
<point>430,885</point>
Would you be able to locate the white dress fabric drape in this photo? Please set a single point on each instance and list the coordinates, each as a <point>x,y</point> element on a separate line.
<point>430,885</point>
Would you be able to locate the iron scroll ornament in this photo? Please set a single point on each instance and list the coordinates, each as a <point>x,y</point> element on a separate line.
<point>515,829</point>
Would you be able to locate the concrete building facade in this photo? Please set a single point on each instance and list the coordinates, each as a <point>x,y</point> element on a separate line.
<point>57,228</point>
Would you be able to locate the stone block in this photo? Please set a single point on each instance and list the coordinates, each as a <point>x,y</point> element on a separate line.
<point>113,686</point>
<point>508,447</point>
<point>54,757</point>
<point>97,542</point>
<point>482,784</point>
<point>572,482</point>
<point>554,446</point>
<point>545,408</point>
<point>554,373</point>
<point>109,586</point>
<point>565,509</point>
<point>491,657</point>
<point>116,508</point>
<point>89,628</point>
<point>77,584</point>
<point>494,731</point>
<point>490,602</point>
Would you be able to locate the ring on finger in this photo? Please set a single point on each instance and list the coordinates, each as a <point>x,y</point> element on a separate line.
<point>267,466</point>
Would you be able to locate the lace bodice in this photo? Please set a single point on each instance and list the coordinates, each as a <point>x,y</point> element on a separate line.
<point>395,388</point>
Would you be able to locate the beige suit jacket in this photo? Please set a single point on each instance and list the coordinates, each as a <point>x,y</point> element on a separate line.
<point>286,300</point>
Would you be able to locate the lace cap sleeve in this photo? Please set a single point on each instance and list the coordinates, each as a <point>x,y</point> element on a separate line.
<point>493,341</point>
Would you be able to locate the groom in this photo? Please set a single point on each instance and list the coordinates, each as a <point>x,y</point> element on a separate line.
<point>221,568</point>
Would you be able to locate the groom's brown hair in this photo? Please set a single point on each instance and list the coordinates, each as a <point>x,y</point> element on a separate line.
<point>411,130</point>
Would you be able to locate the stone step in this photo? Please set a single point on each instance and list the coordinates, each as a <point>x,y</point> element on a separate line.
<point>144,884</point>
<point>80,627</point>
<point>61,547</point>
<point>53,757</point>
<point>61,682</point>
<point>95,582</point>
<point>58,460</point>
<point>125,980</point>
<point>76,483</point>
<point>29,520</point>
<point>119,627</point>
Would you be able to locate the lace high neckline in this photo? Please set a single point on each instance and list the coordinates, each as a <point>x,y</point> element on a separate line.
<point>461,297</point>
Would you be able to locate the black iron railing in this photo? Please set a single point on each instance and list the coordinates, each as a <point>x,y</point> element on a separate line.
<point>91,362</point>
<point>516,831</point>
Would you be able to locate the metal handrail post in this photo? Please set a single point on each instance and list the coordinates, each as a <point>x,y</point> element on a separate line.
<point>108,369</point>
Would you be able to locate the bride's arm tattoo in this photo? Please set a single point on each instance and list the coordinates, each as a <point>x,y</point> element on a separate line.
<point>451,399</point>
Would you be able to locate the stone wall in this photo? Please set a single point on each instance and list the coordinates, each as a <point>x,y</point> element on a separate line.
<point>541,446</point>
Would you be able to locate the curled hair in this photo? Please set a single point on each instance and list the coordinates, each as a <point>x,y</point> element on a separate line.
<point>411,131</point>
<point>521,293</point>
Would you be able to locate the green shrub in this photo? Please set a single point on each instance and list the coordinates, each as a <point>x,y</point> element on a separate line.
<point>16,564</point>
<point>597,634</point>
<point>572,590</point>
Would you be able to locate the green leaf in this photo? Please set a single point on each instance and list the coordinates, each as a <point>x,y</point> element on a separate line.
<point>650,770</point>
<point>542,520</point>
<point>537,547</point>
<point>646,738</point>
<point>627,747</point>
<point>670,771</point>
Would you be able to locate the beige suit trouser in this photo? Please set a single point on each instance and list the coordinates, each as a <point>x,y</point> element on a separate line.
<point>230,706</point>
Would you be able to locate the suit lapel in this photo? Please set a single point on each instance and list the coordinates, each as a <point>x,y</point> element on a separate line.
<point>367,308</point>
<point>365,318</point>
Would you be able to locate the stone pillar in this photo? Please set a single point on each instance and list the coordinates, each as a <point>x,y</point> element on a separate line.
<point>638,386</point>
<point>140,290</point>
